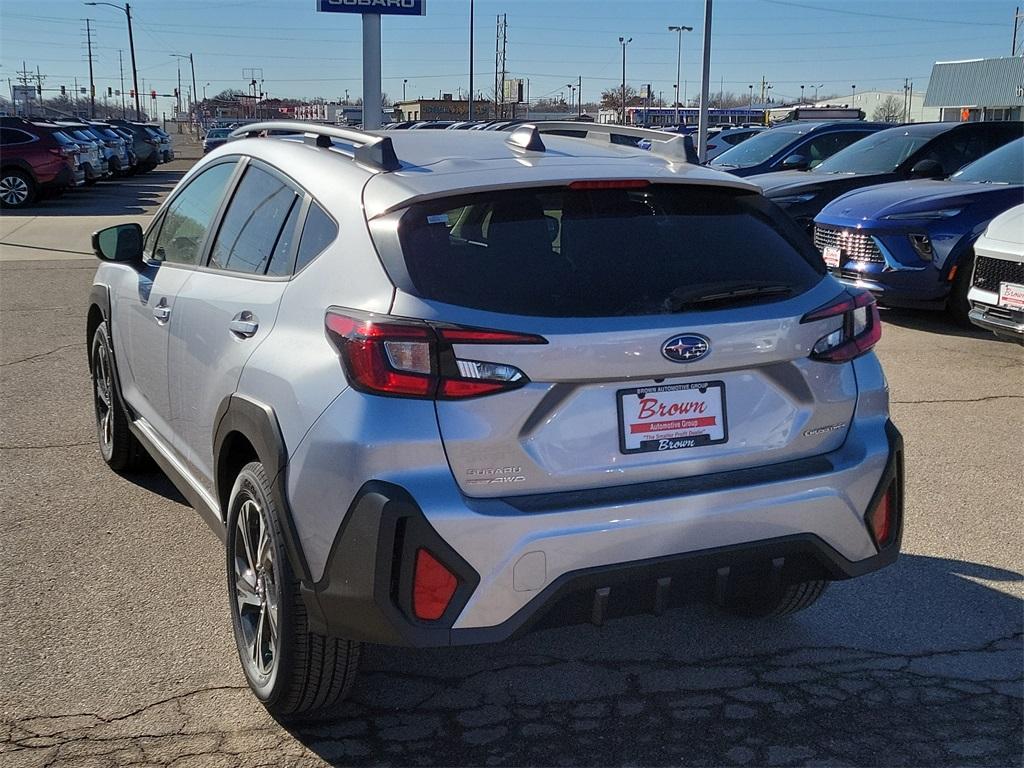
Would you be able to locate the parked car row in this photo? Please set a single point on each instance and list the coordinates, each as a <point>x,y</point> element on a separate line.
<point>41,159</point>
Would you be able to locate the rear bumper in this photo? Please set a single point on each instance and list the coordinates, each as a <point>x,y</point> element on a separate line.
<point>365,592</point>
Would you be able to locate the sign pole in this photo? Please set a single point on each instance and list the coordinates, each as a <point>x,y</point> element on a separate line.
<point>371,72</point>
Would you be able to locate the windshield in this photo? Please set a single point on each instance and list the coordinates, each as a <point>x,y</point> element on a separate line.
<point>756,149</point>
<point>1001,166</point>
<point>881,152</point>
<point>219,133</point>
<point>561,252</point>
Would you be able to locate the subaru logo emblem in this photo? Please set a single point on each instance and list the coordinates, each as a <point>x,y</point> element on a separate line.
<point>686,348</point>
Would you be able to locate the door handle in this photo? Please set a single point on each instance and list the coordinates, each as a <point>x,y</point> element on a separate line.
<point>161,312</point>
<point>244,325</point>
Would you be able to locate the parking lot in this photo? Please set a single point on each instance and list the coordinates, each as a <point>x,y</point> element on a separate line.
<point>117,641</point>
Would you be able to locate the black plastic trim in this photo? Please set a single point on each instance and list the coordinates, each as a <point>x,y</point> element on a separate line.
<point>258,423</point>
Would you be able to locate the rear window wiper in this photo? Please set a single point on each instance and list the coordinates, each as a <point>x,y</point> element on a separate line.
<point>720,293</point>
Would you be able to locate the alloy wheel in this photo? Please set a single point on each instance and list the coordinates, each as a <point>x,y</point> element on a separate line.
<point>13,190</point>
<point>257,592</point>
<point>103,389</point>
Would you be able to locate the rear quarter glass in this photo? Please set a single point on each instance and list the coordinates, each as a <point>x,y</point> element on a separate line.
<point>558,252</point>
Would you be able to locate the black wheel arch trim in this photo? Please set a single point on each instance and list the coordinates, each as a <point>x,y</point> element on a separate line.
<point>258,423</point>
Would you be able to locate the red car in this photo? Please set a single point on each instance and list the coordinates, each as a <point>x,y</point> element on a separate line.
<point>34,163</point>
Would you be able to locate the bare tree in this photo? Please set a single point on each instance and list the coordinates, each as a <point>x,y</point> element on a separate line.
<point>611,98</point>
<point>890,110</point>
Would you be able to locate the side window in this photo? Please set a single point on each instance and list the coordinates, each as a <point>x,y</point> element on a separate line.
<point>823,147</point>
<point>190,215</point>
<point>253,223</point>
<point>12,136</point>
<point>318,232</point>
<point>281,259</point>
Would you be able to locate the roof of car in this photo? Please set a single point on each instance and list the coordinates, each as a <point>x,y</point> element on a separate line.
<point>441,163</point>
<point>806,126</point>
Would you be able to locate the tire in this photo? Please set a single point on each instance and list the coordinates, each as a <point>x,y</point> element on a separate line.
<point>957,304</point>
<point>17,189</point>
<point>296,674</point>
<point>782,600</point>
<point>119,447</point>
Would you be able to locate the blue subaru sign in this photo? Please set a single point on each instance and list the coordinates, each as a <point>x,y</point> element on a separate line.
<point>393,7</point>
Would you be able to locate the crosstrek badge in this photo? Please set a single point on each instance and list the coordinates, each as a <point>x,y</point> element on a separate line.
<point>670,417</point>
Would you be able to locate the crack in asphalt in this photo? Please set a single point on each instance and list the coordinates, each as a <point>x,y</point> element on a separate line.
<point>959,400</point>
<point>822,705</point>
<point>41,354</point>
<point>44,447</point>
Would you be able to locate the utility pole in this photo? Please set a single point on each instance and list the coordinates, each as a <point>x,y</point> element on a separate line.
<point>624,42</point>
<point>504,71</point>
<point>579,96</point>
<point>120,66</point>
<point>679,61</point>
<point>1018,17</point>
<point>470,114</point>
<point>39,87</point>
<point>192,64</point>
<point>131,44</point>
<point>92,84</point>
<point>500,42</point>
<point>702,125</point>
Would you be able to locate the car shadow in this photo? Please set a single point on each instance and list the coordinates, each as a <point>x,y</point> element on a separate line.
<point>893,668</point>
<point>931,322</point>
<point>128,196</point>
<point>151,478</point>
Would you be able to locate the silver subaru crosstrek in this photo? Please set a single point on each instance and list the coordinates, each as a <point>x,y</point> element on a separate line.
<point>433,388</point>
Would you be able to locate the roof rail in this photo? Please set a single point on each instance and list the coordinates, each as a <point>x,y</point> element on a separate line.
<point>370,149</point>
<point>670,146</point>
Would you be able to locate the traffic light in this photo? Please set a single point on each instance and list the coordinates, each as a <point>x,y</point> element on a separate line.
<point>132,92</point>
<point>152,94</point>
<point>110,91</point>
<point>63,91</point>
<point>39,91</point>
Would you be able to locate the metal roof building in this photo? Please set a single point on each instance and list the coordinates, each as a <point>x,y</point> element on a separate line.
<point>979,89</point>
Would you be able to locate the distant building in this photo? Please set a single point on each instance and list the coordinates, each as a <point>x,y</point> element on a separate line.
<point>870,101</point>
<point>441,109</point>
<point>978,89</point>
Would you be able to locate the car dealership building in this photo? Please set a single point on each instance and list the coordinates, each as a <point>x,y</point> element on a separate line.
<point>978,89</point>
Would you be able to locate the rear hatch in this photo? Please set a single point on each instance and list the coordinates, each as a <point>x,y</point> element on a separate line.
<point>671,316</point>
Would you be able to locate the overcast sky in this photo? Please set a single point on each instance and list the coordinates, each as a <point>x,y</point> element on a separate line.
<point>303,53</point>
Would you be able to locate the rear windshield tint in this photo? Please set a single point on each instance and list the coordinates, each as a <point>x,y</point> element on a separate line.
<point>559,252</point>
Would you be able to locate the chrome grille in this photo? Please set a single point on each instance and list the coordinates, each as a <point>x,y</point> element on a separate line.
<point>852,245</point>
<point>989,273</point>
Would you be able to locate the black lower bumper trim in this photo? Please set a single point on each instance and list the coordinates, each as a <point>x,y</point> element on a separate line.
<point>365,593</point>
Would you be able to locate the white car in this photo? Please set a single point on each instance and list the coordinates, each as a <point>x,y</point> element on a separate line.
<point>997,288</point>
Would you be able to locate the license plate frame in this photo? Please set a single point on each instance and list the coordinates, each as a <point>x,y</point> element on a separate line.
<point>1016,303</point>
<point>681,436</point>
<point>832,256</point>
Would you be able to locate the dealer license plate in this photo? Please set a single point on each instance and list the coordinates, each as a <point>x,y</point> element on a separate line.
<point>673,416</point>
<point>1011,296</point>
<point>831,254</point>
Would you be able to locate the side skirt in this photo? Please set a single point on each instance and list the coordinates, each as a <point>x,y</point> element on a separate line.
<point>196,495</point>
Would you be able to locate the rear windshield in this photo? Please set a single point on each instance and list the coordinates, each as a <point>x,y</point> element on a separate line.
<point>559,252</point>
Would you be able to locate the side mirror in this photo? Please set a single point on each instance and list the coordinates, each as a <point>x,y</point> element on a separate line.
<point>927,169</point>
<point>795,163</point>
<point>122,243</point>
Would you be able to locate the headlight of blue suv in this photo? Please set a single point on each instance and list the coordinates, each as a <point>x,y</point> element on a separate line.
<point>943,213</point>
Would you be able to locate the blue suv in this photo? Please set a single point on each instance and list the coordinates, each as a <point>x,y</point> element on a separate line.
<point>911,242</point>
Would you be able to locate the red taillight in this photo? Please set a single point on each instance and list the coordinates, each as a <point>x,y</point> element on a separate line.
<point>610,184</point>
<point>880,520</point>
<point>433,586</point>
<point>409,358</point>
<point>860,330</point>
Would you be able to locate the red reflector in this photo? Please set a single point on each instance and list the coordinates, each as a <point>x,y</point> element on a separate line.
<point>456,388</point>
<point>432,587</point>
<point>610,184</point>
<point>880,519</point>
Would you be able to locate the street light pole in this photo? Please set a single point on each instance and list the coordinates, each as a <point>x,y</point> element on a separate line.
<point>470,114</point>
<point>702,125</point>
<point>624,42</point>
<point>679,61</point>
<point>801,95</point>
<point>405,81</point>
<point>127,9</point>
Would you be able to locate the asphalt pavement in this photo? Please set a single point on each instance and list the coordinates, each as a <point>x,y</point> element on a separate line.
<point>115,639</point>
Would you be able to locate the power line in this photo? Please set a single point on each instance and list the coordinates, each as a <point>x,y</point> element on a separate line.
<point>919,19</point>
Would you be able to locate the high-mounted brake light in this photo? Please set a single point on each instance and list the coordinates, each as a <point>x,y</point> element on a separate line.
<point>610,184</point>
<point>860,330</point>
<point>410,358</point>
